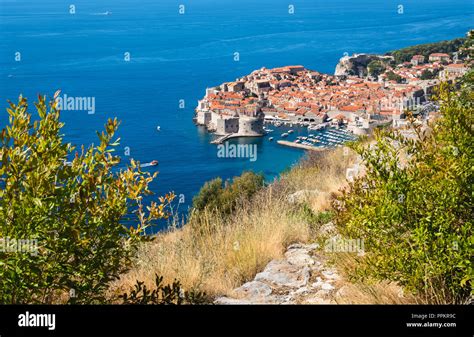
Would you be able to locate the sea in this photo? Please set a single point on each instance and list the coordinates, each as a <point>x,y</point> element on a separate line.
<point>148,62</point>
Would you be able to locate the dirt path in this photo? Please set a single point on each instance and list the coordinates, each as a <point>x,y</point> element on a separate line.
<point>301,277</point>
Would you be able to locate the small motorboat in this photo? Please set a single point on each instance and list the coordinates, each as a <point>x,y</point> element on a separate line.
<point>154,163</point>
<point>270,139</point>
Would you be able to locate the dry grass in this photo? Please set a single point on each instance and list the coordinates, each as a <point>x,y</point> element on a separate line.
<point>322,172</point>
<point>215,254</point>
<point>367,291</point>
<point>375,293</point>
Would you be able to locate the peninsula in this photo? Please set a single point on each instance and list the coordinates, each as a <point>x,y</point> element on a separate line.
<point>366,91</point>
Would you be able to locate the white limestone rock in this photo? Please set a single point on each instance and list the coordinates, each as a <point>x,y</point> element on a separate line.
<point>299,257</point>
<point>327,286</point>
<point>330,275</point>
<point>302,196</point>
<point>282,273</point>
<point>253,290</point>
<point>230,301</point>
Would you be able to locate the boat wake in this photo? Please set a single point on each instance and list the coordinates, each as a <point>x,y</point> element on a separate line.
<point>104,13</point>
<point>153,163</point>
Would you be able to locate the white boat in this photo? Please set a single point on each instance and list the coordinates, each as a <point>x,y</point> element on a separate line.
<point>316,127</point>
<point>284,134</point>
<point>270,139</point>
<point>290,131</point>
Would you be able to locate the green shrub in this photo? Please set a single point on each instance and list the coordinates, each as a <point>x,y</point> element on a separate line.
<point>375,68</point>
<point>314,219</point>
<point>208,195</point>
<point>73,211</point>
<point>213,196</point>
<point>428,74</point>
<point>413,208</point>
<point>391,76</point>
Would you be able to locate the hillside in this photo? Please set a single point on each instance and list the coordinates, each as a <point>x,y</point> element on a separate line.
<point>388,219</point>
<point>448,47</point>
<point>357,64</point>
<point>406,207</point>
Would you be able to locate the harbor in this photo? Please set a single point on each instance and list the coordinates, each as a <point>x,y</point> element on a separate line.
<point>300,146</point>
<point>308,137</point>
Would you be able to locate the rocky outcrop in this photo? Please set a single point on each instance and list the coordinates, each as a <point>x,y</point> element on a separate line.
<point>356,65</point>
<point>301,277</point>
<point>302,196</point>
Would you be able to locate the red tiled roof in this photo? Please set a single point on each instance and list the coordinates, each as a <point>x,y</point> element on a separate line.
<point>456,65</point>
<point>439,55</point>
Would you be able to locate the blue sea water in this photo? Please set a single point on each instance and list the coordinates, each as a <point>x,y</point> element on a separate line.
<point>175,57</point>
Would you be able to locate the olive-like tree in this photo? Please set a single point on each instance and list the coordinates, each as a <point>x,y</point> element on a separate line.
<point>71,214</point>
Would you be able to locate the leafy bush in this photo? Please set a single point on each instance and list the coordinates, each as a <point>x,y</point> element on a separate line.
<point>375,68</point>
<point>162,294</point>
<point>467,50</point>
<point>74,211</point>
<point>413,208</point>
<point>428,74</point>
<point>214,196</point>
<point>391,76</point>
<point>208,195</point>
<point>315,219</point>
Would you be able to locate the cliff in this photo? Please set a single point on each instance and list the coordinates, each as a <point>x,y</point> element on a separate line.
<point>357,64</point>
